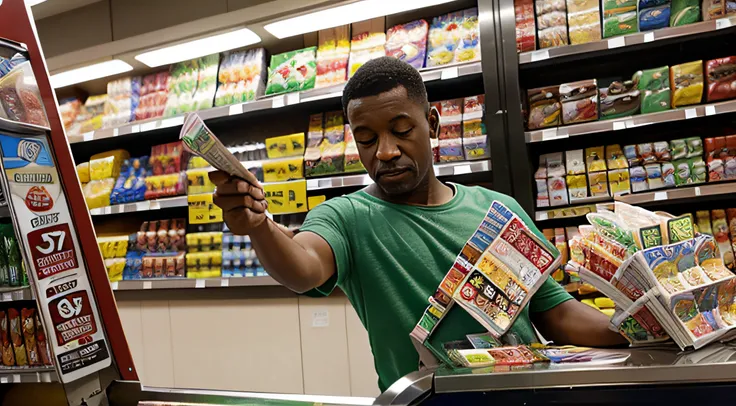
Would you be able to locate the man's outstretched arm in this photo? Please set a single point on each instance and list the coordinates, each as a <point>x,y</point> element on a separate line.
<point>576,323</point>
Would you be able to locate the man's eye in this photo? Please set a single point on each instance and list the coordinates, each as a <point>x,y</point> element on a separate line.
<point>403,133</point>
<point>366,142</point>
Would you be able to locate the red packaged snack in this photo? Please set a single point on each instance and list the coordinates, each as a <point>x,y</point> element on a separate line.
<point>451,110</point>
<point>8,355</point>
<point>168,158</point>
<point>42,343</point>
<point>526,39</point>
<point>29,336</point>
<point>16,337</point>
<point>509,356</point>
<point>153,96</point>
<point>728,155</point>
<point>147,267</point>
<point>721,78</point>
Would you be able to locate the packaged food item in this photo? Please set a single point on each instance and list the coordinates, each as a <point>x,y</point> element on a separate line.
<point>551,23</point>
<point>16,337</point>
<point>683,172</point>
<point>101,167</point>
<point>679,149</point>
<point>721,76</point>
<point>526,39</point>
<point>598,184</point>
<point>638,177</point>
<point>654,18</point>
<point>615,158</point>
<point>131,185</point>
<point>574,162</point>
<point>619,181</point>
<point>242,77</point>
<point>352,157</point>
<point>454,37</point>
<point>714,9</point>
<point>579,101</point>
<point>595,159</point>
<point>408,42</point>
<point>662,151</point>
<point>468,49</point>
<point>716,168</point>
<point>683,12</point>
<point>70,110</point>
<point>655,86</point>
<point>620,100</point>
<point>83,172</point>
<point>577,187</point>
<point>668,174</point>
<point>702,218</point>
<point>475,138</point>
<point>123,96</point>
<point>168,158</point>
<point>557,191</point>
<point>544,107</point>
<point>728,155</point>
<point>286,145</point>
<point>368,42</point>
<point>555,165</point>
<point>731,217</point>
<point>694,147</point>
<point>542,192</point>
<point>29,336</point>
<point>42,342</point>
<point>97,192</point>
<point>20,98</point>
<point>584,21</point>
<point>720,233</point>
<point>8,354</point>
<point>686,81</point>
<point>153,96</point>
<point>654,176</point>
<point>699,171</point>
<point>292,71</point>
<point>333,53</point>
<point>620,23</point>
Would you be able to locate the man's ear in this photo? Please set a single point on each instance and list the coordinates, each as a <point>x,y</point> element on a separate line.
<point>434,122</point>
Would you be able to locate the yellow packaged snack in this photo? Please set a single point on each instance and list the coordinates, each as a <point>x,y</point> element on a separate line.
<point>594,159</point>
<point>83,172</point>
<point>604,303</point>
<point>608,312</point>
<point>577,186</point>
<point>97,192</point>
<point>589,302</point>
<point>619,181</point>
<point>686,82</point>
<point>283,169</point>
<point>198,182</point>
<point>598,184</point>
<point>285,146</point>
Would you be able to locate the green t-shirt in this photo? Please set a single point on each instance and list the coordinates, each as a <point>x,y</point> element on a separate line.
<point>390,258</point>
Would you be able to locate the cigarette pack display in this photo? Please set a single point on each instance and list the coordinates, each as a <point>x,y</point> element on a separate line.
<point>683,12</point>
<point>584,21</point>
<point>544,107</point>
<point>655,86</point>
<point>8,354</point>
<point>551,23</point>
<point>620,24</point>
<point>577,187</point>
<point>557,188</point>
<point>153,96</point>
<point>579,101</point>
<point>20,98</point>
<point>620,100</point>
<point>714,9</point>
<point>686,81</point>
<point>719,222</point>
<point>292,71</point>
<point>619,181</point>
<point>654,18</point>
<point>242,77</point>
<point>368,42</point>
<point>333,52</point>
<point>123,96</point>
<point>721,77</point>
<point>408,42</point>
<point>16,337</point>
<point>526,38</point>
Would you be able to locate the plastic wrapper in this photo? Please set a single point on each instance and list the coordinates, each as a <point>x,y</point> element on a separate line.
<point>123,96</point>
<point>97,192</point>
<point>678,149</point>
<point>551,23</point>
<point>595,159</point>
<point>70,110</point>
<point>694,147</point>
<point>20,98</point>
<point>619,181</point>
<point>557,189</point>
<point>368,42</point>
<point>453,37</point>
<point>655,86</point>
<point>615,158</point>
<point>292,71</point>
<point>154,94</point>
<point>638,178</point>
<point>662,151</point>
<point>544,107</point>
<point>131,185</point>
<point>526,29</point>
<point>352,157</point>
<point>713,9</point>
<point>577,187</point>
<point>619,100</point>
<point>408,42</point>
<point>683,12</point>
<point>242,77</point>
<point>584,21</point>
<point>83,172</point>
<point>654,18</point>
<point>333,51</point>
<point>579,101</point>
<point>654,176</point>
<point>721,77</point>
<point>16,337</point>
<point>8,354</point>
<point>598,183</point>
<point>29,336</point>
<point>192,86</point>
<point>620,24</point>
<point>468,49</point>
<point>646,153</point>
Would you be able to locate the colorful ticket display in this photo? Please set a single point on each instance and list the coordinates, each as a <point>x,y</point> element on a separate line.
<point>500,267</point>
<point>54,260</point>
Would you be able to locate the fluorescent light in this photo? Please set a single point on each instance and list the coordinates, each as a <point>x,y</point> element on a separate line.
<point>91,72</point>
<point>200,47</point>
<point>31,3</point>
<point>341,15</point>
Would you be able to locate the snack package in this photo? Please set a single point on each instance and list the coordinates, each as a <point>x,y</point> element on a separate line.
<point>678,149</point>
<point>475,138</point>
<point>654,176</point>
<point>555,165</point>
<point>574,162</point>
<point>698,171</point>
<point>97,192</point>
<point>584,21</point>
<point>20,98</point>
<point>551,23</point>
<point>368,42</point>
<point>92,114</point>
<point>654,18</point>
<point>83,172</point>
<point>29,336</point>
<point>542,192</point>
<point>595,159</point>
<point>242,77</point>
<point>154,94</point>
<point>333,52</point>
<point>716,168</point>
<point>408,42</point>
<point>598,182</point>
<point>16,337</point>
<point>619,181</point>
<point>352,157</point>
<point>714,9</point>
<point>453,37</point>
<point>544,107</point>
<point>620,100</point>
<point>686,81</point>
<point>622,23</point>
<point>579,101</point>
<point>577,187</point>
<point>70,109</point>
<point>8,354</point>
<point>683,172</point>
<point>655,86</point>
<point>720,233</point>
<point>123,96</point>
<point>615,158</point>
<point>131,185</point>
<point>526,39</point>
<point>557,188</point>
<point>638,178</point>
<point>42,342</point>
<point>292,71</point>
<point>728,155</point>
<point>662,151</point>
<point>721,77</point>
<point>702,218</point>
<point>683,12</point>
<point>468,49</point>
<point>668,174</point>
<point>694,147</point>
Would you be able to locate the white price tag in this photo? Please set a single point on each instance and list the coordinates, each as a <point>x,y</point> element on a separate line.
<point>292,98</point>
<point>147,285</point>
<point>4,379</point>
<point>142,206</point>
<point>149,126</point>
<point>114,285</point>
<point>542,215</point>
<point>199,283</point>
<point>690,113</point>
<point>89,136</point>
<point>321,318</point>
<point>7,297</point>
<point>16,378</point>
<point>462,169</point>
<point>235,109</point>
<point>710,110</point>
<point>660,196</point>
<point>723,23</point>
<point>619,125</point>
<point>224,282</point>
<point>135,128</point>
<point>172,122</point>
<point>154,205</point>
<point>549,134</point>
<point>278,102</point>
<point>115,132</point>
<point>617,42</point>
<point>649,37</point>
<point>540,55</point>
<point>312,184</point>
<point>697,190</point>
<point>449,73</point>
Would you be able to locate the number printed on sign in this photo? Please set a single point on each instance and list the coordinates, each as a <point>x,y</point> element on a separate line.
<point>72,317</point>
<point>52,250</point>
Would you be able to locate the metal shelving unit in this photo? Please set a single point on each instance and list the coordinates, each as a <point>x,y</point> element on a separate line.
<point>28,375</point>
<point>188,283</point>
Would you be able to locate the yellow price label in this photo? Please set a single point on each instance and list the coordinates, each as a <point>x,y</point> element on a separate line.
<point>202,210</point>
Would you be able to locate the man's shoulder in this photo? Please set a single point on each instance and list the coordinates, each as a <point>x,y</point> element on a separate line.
<point>343,206</point>
<point>486,194</point>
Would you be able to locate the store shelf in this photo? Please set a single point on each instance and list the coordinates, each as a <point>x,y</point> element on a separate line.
<point>185,283</point>
<point>27,375</point>
<point>630,122</point>
<point>446,169</point>
<point>270,102</point>
<point>680,194</point>
<point>581,208</point>
<point>22,128</point>
<point>638,38</point>
<point>16,293</point>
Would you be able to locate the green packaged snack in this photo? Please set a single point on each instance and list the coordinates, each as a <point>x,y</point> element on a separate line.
<point>655,87</point>
<point>292,71</point>
<point>683,12</point>
<point>679,149</point>
<point>682,172</point>
<point>694,147</point>
<point>14,266</point>
<point>4,275</point>
<point>698,170</point>
<point>621,24</point>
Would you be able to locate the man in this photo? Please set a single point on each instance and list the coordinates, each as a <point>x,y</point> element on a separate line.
<point>389,245</point>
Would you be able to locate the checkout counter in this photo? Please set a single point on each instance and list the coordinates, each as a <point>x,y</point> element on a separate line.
<point>656,376</point>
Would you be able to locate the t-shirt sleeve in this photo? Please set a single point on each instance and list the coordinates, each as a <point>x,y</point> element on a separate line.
<point>329,220</point>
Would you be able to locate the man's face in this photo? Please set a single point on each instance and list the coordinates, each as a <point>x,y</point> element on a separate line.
<point>392,133</point>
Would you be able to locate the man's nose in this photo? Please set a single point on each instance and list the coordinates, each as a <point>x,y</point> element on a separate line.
<point>387,149</point>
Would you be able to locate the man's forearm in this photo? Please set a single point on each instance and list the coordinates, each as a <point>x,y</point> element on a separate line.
<point>575,323</point>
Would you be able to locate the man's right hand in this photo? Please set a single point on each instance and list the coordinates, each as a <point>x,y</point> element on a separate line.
<point>243,205</point>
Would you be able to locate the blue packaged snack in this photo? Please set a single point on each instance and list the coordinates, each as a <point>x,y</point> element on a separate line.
<point>131,185</point>
<point>651,3</point>
<point>408,42</point>
<point>654,18</point>
<point>133,263</point>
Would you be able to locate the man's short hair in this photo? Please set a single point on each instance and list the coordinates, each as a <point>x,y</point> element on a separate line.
<point>381,75</point>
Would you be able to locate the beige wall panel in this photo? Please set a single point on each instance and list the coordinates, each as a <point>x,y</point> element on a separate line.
<point>363,378</point>
<point>130,317</point>
<point>158,354</point>
<point>76,29</point>
<point>246,345</point>
<point>238,4</point>
<point>133,17</point>
<point>324,346</point>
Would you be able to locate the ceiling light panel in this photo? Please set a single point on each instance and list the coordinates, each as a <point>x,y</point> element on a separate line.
<point>91,72</point>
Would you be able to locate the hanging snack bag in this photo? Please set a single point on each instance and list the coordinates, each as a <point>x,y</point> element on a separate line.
<point>655,85</point>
